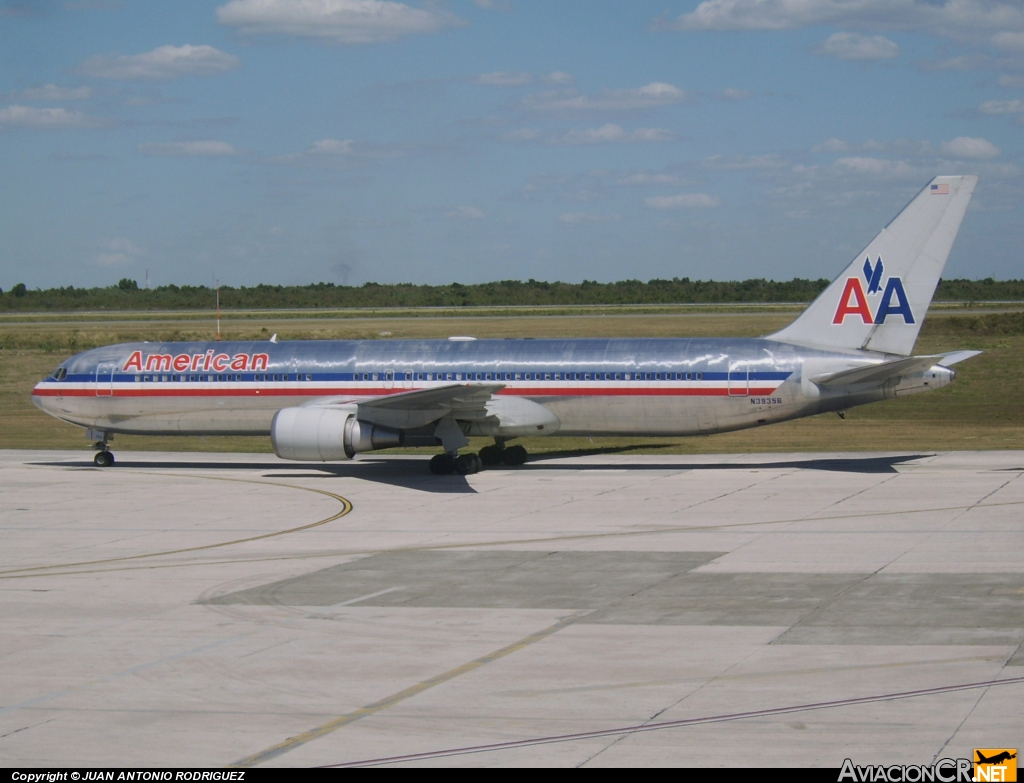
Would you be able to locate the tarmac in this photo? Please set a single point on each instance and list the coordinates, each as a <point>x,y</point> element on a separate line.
<point>213,610</point>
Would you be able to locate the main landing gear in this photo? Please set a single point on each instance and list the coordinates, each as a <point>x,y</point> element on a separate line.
<point>104,458</point>
<point>466,464</point>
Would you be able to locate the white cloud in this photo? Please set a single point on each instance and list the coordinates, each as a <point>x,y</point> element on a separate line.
<point>120,252</point>
<point>947,17</point>
<point>189,149</point>
<point>43,119</point>
<point>519,78</point>
<point>575,218</point>
<point>646,97</point>
<point>878,167</point>
<point>164,62</point>
<point>51,92</point>
<point>918,147</point>
<point>613,133</point>
<point>1009,80</point>
<point>683,201</point>
<point>466,213</point>
<point>972,148</point>
<point>341,21</point>
<point>739,162</point>
<point>854,46</point>
<point>643,178</point>
<point>558,77</point>
<point>1008,40</point>
<point>504,79</point>
<point>832,145</point>
<point>1015,106</point>
<point>732,94</point>
<point>332,147</point>
<point>337,153</point>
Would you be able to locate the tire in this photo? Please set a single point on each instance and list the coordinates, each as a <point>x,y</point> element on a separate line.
<point>491,455</point>
<point>515,455</point>
<point>442,464</point>
<point>467,464</point>
<point>103,459</point>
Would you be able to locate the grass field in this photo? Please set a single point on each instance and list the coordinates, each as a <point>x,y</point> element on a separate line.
<point>983,409</point>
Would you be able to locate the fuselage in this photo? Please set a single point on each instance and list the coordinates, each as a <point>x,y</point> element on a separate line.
<point>593,386</point>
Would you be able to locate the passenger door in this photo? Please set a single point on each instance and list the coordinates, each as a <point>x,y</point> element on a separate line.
<point>739,383</point>
<point>105,379</point>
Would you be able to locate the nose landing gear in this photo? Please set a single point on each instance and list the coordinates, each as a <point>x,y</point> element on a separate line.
<point>104,458</point>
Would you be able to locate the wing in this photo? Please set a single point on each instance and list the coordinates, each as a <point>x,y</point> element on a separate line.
<point>412,409</point>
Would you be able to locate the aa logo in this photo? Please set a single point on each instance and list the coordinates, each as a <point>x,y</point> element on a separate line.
<point>995,764</point>
<point>854,300</point>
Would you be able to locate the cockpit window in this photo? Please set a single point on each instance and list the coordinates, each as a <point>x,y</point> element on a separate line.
<point>60,374</point>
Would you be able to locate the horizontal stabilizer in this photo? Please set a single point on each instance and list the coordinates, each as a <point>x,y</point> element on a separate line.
<point>880,373</point>
<point>957,356</point>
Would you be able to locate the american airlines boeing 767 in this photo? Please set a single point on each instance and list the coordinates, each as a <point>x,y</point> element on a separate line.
<point>331,400</point>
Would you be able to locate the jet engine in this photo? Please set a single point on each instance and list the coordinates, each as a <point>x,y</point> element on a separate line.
<point>327,434</point>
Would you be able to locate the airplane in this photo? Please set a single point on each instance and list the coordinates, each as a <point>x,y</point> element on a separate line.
<point>996,759</point>
<point>333,399</point>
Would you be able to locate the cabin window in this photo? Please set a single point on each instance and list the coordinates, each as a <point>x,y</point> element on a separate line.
<point>700,376</point>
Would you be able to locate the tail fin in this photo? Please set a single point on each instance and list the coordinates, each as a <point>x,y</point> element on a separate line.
<point>880,300</point>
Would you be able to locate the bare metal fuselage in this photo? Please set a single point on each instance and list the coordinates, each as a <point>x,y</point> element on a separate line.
<point>659,387</point>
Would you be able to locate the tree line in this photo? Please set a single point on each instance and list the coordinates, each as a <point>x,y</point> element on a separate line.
<point>127,295</point>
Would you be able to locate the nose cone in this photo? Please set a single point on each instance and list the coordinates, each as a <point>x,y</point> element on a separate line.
<point>42,397</point>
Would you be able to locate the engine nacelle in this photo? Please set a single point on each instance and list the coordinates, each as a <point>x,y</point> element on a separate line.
<point>327,434</point>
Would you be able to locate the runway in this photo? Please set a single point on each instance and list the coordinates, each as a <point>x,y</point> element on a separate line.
<point>602,610</point>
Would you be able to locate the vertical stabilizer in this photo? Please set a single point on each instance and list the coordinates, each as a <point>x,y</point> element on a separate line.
<point>880,300</point>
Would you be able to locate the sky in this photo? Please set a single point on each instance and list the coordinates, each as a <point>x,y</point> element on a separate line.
<point>297,141</point>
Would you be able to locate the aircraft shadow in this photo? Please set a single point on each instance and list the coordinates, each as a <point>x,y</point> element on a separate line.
<point>413,473</point>
<point>886,464</point>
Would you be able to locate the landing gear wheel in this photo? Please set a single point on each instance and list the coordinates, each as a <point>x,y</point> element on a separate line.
<point>103,459</point>
<point>442,464</point>
<point>492,455</point>
<point>514,455</point>
<point>467,464</point>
